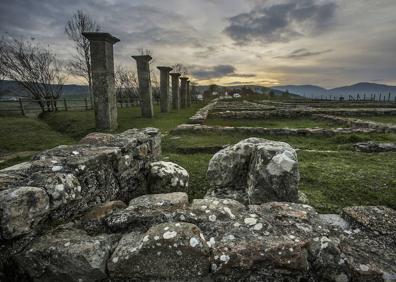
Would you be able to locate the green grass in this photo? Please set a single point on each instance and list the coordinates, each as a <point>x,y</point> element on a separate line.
<point>384,119</point>
<point>19,134</point>
<point>335,180</point>
<point>272,123</point>
<point>79,124</point>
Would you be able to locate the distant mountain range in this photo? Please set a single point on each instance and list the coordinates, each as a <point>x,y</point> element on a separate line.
<point>362,88</point>
<point>10,90</point>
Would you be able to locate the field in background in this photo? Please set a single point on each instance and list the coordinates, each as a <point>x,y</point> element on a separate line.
<point>333,175</point>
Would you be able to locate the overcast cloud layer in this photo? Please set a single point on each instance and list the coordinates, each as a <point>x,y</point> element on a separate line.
<point>268,42</point>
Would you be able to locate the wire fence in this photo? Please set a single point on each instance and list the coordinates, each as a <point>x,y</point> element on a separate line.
<point>25,106</point>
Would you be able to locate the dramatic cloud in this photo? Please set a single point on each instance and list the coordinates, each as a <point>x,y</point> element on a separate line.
<point>326,42</point>
<point>281,22</point>
<point>213,72</point>
<point>218,71</point>
<point>303,53</point>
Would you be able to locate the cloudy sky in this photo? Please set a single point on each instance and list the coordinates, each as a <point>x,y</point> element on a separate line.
<point>267,42</point>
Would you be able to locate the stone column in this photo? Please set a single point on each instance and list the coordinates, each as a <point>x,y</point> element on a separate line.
<point>145,92</point>
<point>102,65</point>
<point>183,92</point>
<point>165,98</point>
<point>188,94</point>
<point>175,91</point>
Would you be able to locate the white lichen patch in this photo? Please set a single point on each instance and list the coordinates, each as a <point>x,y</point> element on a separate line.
<point>225,258</point>
<point>258,226</point>
<point>228,211</point>
<point>250,221</point>
<point>194,242</point>
<point>57,168</point>
<point>212,217</point>
<point>169,235</point>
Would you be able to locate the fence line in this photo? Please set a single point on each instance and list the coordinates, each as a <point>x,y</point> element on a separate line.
<point>25,106</point>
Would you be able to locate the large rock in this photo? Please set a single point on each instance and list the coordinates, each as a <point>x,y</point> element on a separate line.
<point>104,167</point>
<point>67,254</point>
<point>147,210</point>
<point>21,209</point>
<point>167,177</point>
<point>168,251</point>
<point>255,171</point>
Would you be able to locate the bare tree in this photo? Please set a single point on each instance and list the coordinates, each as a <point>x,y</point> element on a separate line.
<point>180,68</point>
<point>34,68</point>
<point>80,65</point>
<point>126,83</point>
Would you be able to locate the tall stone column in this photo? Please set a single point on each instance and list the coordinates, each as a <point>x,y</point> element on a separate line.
<point>145,91</point>
<point>165,98</point>
<point>175,91</point>
<point>188,94</point>
<point>183,92</point>
<point>102,65</point>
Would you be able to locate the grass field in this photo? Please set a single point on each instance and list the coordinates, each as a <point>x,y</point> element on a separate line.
<point>332,174</point>
<point>272,123</point>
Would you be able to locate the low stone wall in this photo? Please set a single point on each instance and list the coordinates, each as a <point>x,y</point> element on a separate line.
<point>289,113</point>
<point>241,106</point>
<point>73,214</point>
<point>202,113</point>
<point>197,128</point>
<point>62,182</point>
<point>357,123</point>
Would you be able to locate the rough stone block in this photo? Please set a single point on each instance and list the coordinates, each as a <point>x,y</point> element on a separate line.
<point>21,209</point>
<point>167,177</point>
<point>255,171</point>
<point>169,251</point>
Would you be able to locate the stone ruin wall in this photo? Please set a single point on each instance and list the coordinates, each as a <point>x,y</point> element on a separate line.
<point>87,212</point>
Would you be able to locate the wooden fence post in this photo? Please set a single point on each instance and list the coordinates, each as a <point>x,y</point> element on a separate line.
<point>21,106</point>
<point>86,104</point>
<point>65,104</point>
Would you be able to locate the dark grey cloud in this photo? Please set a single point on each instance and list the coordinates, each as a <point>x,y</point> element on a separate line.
<point>218,71</point>
<point>281,22</point>
<point>303,53</point>
<point>212,72</point>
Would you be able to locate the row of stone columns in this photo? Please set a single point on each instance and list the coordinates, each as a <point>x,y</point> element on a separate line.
<point>105,103</point>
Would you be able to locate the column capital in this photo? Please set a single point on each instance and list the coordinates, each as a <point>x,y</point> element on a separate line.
<point>146,58</point>
<point>163,68</point>
<point>184,78</point>
<point>100,36</point>
<point>175,74</point>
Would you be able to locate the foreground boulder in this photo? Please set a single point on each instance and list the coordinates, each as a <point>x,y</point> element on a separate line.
<point>167,177</point>
<point>255,171</point>
<point>169,251</point>
<point>21,209</point>
<point>67,254</point>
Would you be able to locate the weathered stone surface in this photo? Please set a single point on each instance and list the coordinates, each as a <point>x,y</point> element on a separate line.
<point>147,210</point>
<point>21,209</point>
<point>374,147</point>
<point>77,177</point>
<point>168,251</point>
<point>67,254</point>
<point>102,68</point>
<point>167,177</point>
<point>379,219</point>
<point>255,171</point>
<point>92,221</point>
<point>145,90</point>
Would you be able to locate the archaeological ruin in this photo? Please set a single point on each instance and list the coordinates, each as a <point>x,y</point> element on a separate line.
<point>113,208</point>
